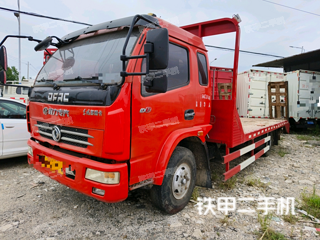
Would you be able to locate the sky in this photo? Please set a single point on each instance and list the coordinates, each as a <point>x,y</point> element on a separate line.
<point>265,27</point>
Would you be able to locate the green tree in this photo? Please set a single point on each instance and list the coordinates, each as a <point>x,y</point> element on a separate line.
<point>12,73</point>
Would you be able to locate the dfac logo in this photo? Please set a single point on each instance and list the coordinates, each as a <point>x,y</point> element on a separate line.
<point>145,110</point>
<point>56,134</point>
<point>59,97</point>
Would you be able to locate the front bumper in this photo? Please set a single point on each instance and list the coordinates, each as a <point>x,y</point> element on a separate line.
<point>113,193</point>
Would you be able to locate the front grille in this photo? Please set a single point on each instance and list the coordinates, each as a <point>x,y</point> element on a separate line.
<point>69,135</point>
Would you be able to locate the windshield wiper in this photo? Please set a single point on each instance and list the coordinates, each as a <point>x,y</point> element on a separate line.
<point>81,79</point>
<point>45,80</point>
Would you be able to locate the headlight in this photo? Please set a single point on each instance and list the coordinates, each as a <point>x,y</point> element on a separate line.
<point>30,151</point>
<point>103,177</point>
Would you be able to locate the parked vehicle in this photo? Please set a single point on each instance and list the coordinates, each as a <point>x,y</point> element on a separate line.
<point>303,95</point>
<point>155,118</point>
<point>14,133</point>
<point>252,92</point>
<point>17,92</point>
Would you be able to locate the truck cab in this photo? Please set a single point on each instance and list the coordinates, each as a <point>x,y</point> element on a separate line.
<point>133,102</point>
<point>104,137</point>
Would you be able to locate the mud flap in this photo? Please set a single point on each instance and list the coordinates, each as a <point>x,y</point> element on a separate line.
<point>201,154</point>
<point>203,178</point>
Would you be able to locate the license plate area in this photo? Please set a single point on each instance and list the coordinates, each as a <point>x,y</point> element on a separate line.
<point>52,164</point>
<point>310,122</point>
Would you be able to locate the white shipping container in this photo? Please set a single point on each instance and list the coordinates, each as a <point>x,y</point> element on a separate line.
<point>304,93</point>
<point>252,92</point>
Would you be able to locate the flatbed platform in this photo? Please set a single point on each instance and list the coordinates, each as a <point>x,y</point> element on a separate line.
<point>251,125</point>
<point>254,127</point>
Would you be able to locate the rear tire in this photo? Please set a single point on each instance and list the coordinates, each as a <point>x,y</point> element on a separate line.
<point>178,183</point>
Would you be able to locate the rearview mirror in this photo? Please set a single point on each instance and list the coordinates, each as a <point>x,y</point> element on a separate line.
<point>156,82</point>
<point>3,58</point>
<point>44,44</point>
<point>157,45</point>
<point>3,77</point>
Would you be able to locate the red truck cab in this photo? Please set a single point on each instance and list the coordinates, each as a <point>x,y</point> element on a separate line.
<point>103,122</point>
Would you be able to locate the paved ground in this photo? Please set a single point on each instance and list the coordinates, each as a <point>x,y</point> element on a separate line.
<point>33,206</point>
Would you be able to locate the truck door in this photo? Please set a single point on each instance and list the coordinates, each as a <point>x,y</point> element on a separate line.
<point>155,116</point>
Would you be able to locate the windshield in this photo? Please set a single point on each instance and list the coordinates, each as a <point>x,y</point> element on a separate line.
<point>94,59</point>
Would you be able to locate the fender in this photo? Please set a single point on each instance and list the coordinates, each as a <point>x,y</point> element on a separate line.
<point>172,141</point>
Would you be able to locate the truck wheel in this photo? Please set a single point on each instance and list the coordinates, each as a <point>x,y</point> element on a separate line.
<point>178,183</point>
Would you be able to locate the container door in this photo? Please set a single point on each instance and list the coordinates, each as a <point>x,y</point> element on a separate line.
<point>305,95</point>
<point>243,94</point>
<point>314,88</point>
<point>258,94</point>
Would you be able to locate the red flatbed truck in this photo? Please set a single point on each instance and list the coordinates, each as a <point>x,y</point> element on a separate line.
<point>104,123</point>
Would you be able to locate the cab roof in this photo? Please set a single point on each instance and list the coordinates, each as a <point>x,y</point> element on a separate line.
<point>122,22</point>
<point>173,30</point>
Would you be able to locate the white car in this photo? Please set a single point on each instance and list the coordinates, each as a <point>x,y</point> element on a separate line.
<point>14,134</point>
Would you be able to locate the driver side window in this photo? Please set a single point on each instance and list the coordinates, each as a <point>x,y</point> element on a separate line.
<point>12,110</point>
<point>177,71</point>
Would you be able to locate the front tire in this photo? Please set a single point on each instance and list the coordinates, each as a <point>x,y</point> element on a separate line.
<point>178,183</point>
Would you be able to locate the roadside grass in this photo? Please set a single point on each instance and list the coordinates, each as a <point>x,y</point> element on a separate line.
<point>282,152</point>
<point>215,177</point>
<point>225,220</point>
<point>316,131</point>
<point>311,203</point>
<point>267,233</point>
<point>256,182</point>
<point>195,194</point>
<point>290,218</point>
<point>305,137</point>
<point>311,134</point>
<point>229,184</point>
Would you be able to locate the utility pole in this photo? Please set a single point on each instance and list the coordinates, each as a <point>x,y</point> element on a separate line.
<point>28,71</point>
<point>18,17</point>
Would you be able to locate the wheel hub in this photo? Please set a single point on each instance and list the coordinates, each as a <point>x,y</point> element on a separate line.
<point>181,181</point>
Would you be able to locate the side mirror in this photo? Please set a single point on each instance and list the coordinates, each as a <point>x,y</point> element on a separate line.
<point>43,45</point>
<point>3,77</point>
<point>3,58</point>
<point>156,82</point>
<point>157,45</point>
